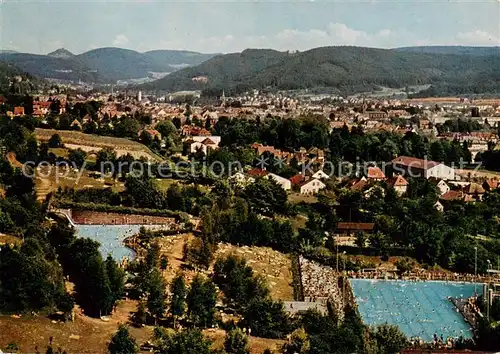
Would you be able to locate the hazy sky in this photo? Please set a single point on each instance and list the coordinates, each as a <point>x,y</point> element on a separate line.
<point>227,26</point>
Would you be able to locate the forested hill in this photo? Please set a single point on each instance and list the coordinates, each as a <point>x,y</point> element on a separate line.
<point>14,80</point>
<point>346,69</point>
<point>453,49</point>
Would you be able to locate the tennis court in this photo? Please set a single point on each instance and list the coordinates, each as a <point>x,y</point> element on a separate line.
<point>420,309</point>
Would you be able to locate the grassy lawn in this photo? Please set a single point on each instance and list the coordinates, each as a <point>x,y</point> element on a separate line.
<point>296,198</point>
<point>59,152</point>
<point>47,180</point>
<point>480,173</point>
<point>299,222</point>
<point>91,335</point>
<point>165,183</point>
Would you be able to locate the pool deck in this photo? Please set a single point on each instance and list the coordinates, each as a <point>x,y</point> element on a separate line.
<point>468,315</point>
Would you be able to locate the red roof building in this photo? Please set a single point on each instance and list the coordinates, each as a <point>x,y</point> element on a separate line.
<point>414,162</point>
<point>351,227</point>
<point>490,184</point>
<point>19,111</point>
<point>411,166</point>
<point>397,181</point>
<point>375,173</point>
<point>359,185</point>
<point>257,172</point>
<point>297,179</point>
<point>208,141</point>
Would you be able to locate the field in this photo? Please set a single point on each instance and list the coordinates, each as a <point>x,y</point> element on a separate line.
<point>49,179</point>
<point>296,198</point>
<point>479,174</point>
<point>94,143</point>
<point>164,183</point>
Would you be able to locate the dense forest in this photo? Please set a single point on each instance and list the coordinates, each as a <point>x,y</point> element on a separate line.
<point>31,274</point>
<point>15,81</point>
<point>347,69</point>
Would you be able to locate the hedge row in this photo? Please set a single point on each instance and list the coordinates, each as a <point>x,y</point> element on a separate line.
<point>106,208</point>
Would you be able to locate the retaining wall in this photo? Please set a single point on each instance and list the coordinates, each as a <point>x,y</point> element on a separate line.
<point>87,217</point>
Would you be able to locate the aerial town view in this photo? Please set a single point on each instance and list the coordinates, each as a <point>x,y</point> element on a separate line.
<point>249,177</point>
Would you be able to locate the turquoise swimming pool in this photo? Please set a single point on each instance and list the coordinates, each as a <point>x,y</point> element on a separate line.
<point>418,308</point>
<point>111,238</point>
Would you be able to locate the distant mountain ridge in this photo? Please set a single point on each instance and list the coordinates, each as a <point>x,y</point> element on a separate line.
<point>102,65</point>
<point>344,69</point>
<point>61,53</point>
<point>456,50</point>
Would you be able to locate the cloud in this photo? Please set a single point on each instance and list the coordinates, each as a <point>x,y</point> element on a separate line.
<point>332,34</point>
<point>475,37</point>
<point>478,37</point>
<point>287,39</point>
<point>120,40</point>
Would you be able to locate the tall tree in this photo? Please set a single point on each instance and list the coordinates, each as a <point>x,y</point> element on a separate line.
<point>267,318</point>
<point>190,341</point>
<point>156,294</point>
<point>236,342</point>
<point>298,343</point>
<point>389,338</point>
<point>201,301</point>
<point>116,278</point>
<point>178,300</point>
<point>122,342</point>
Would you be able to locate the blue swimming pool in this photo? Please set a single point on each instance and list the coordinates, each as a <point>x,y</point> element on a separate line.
<point>418,308</point>
<point>110,237</point>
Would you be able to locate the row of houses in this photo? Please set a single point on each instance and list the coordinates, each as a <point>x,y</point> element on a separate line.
<point>312,155</point>
<point>305,185</point>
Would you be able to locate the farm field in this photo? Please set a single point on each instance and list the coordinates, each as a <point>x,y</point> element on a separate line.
<point>94,143</point>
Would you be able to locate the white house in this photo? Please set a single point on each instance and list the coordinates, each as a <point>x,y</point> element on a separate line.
<point>311,187</point>
<point>214,138</point>
<point>320,174</point>
<point>441,185</point>
<point>283,182</point>
<point>241,179</point>
<point>399,184</point>
<point>413,167</point>
<point>204,145</point>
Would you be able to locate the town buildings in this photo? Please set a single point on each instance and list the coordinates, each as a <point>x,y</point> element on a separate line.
<point>413,167</point>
